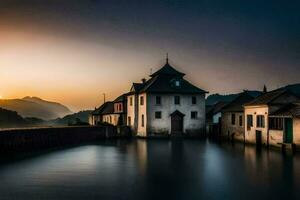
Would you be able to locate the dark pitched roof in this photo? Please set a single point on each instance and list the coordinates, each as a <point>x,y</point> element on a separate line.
<point>120,98</point>
<point>214,109</point>
<point>267,98</point>
<point>106,108</point>
<point>237,104</point>
<point>164,83</point>
<point>292,109</point>
<point>98,111</point>
<point>168,70</point>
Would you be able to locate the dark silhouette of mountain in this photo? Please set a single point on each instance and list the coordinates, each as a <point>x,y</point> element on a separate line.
<point>11,119</point>
<point>295,88</point>
<point>35,107</point>
<point>215,98</point>
<point>79,118</point>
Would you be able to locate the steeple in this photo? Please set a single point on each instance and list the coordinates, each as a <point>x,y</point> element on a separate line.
<point>265,89</point>
<point>167,59</point>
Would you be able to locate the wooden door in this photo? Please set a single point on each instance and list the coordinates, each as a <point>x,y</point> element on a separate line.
<point>176,124</point>
<point>258,138</point>
<point>288,130</point>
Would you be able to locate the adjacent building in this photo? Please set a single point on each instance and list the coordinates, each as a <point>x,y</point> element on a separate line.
<point>213,118</point>
<point>284,125</point>
<point>233,121</point>
<point>166,104</point>
<point>263,125</point>
<point>114,112</point>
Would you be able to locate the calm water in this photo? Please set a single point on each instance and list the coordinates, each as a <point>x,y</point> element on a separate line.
<point>153,169</point>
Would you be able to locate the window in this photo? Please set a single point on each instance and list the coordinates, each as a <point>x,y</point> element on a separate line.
<point>158,100</point>
<point>249,121</point>
<point>177,83</point>
<point>194,100</point>
<point>143,122</point>
<point>260,121</point>
<point>142,100</point>
<point>130,101</point>
<point>276,123</point>
<point>177,100</point>
<point>241,120</point>
<point>158,115</point>
<point>233,119</point>
<point>194,114</point>
<point>129,121</point>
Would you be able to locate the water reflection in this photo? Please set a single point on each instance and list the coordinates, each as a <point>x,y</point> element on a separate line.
<point>153,169</point>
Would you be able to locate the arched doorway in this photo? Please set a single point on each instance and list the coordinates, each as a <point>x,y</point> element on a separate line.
<point>177,123</point>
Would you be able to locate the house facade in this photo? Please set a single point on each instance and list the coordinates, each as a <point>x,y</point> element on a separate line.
<point>284,125</point>
<point>262,127</point>
<point>233,121</point>
<point>166,104</point>
<point>114,113</point>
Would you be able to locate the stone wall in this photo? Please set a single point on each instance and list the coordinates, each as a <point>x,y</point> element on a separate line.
<point>35,139</point>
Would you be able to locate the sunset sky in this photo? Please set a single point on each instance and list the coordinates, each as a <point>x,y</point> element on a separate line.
<point>73,51</point>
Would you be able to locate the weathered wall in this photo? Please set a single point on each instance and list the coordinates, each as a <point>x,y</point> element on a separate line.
<point>142,110</point>
<point>167,107</point>
<point>132,112</point>
<point>275,137</point>
<point>296,132</point>
<point>250,134</point>
<point>111,119</point>
<point>95,119</point>
<point>216,117</point>
<point>230,131</point>
<point>36,139</point>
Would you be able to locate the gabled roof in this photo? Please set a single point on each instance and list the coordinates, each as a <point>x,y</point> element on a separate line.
<point>99,111</point>
<point>292,109</point>
<point>120,98</point>
<point>167,69</point>
<point>216,108</point>
<point>268,98</point>
<point>164,83</point>
<point>237,104</point>
<point>108,108</point>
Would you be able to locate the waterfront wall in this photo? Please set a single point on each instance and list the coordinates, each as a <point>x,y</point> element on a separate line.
<point>34,139</point>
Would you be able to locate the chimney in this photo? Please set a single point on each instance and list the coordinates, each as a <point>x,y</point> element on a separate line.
<point>143,80</point>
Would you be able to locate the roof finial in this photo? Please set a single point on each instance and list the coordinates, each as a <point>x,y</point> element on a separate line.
<point>167,59</point>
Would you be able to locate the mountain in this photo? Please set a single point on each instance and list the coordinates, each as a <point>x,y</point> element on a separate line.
<point>295,88</point>
<point>79,117</point>
<point>11,119</point>
<point>215,98</point>
<point>35,107</point>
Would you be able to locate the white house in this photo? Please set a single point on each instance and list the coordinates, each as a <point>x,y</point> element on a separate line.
<point>166,104</point>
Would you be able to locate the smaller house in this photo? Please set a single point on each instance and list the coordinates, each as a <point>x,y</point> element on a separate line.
<point>284,125</point>
<point>262,126</point>
<point>233,116</point>
<point>213,118</point>
<point>114,112</point>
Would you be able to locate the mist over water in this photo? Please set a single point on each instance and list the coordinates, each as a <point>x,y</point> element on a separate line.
<point>152,169</point>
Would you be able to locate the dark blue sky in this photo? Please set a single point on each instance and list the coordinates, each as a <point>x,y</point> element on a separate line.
<point>223,46</point>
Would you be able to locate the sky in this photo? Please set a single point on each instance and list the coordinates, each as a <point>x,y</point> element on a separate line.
<point>74,51</point>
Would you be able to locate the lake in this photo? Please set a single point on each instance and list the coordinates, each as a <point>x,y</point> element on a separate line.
<point>152,169</point>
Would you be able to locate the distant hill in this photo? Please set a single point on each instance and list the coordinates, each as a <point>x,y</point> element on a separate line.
<point>82,116</point>
<point>11,119</point>
<point>215,98</point>
<point>295,88</point>
<point>35,107</point>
